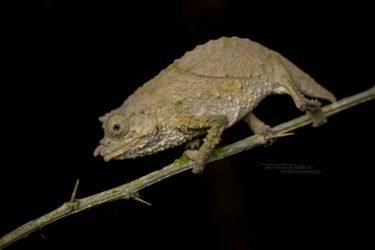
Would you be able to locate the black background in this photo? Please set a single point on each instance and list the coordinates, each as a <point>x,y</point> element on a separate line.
<point>66,64</point>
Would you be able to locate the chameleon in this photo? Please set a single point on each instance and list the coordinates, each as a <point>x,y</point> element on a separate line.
<point>206,91</point>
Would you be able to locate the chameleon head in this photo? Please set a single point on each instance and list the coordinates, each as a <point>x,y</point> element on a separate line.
<point>127,134</point>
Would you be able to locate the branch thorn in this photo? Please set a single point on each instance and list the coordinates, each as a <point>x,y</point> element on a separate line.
<point>137,197</point>
<point>42,235</point>
<point>73,197</point>
<point>281,135</point>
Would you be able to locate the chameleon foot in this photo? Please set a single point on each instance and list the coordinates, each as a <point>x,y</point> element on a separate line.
<point>313,108</point>
<point>199,160</point>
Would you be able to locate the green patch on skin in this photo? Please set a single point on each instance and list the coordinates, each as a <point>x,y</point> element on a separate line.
<point>179,103</point>
<point>141,90</point>
<point>174,65</point>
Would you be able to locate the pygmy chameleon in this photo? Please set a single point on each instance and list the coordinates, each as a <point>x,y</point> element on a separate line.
<point>201,94</point>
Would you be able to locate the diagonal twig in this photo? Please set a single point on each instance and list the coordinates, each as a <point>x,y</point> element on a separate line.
<point>130,190</point>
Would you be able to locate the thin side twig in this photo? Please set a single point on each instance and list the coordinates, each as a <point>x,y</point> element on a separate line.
<point>130,190</point>
<point>74,194</point>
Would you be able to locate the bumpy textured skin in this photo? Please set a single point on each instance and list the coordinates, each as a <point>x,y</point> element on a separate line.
<point>204,92</point>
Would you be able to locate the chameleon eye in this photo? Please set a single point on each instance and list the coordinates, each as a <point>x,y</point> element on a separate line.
<point>117,126</point>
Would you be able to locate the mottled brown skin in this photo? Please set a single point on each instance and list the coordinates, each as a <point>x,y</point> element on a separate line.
<point>206,91</point>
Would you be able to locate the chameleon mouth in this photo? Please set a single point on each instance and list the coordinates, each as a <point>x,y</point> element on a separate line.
<point>101,150</point>
<point>121,152</point>
<point>109,157</point>
<point>106,152</point>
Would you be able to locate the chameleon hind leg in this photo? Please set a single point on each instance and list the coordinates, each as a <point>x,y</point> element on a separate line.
<point>256,125</point>
<point>284,84</point>
<point>312,107</point>
<point>282,77</point>
<point>259,127</point>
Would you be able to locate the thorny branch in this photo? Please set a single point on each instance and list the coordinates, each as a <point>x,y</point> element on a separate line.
<point>130,190</point>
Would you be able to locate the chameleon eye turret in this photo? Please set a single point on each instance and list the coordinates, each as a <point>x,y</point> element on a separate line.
<point>117,126</point>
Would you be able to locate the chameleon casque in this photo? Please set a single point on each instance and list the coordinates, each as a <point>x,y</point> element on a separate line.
<point>201,94</point>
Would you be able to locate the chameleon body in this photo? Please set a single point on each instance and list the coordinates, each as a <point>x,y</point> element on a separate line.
<point>204,92</point>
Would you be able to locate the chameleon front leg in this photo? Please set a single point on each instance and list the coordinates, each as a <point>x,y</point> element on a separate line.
<point>214,126</point>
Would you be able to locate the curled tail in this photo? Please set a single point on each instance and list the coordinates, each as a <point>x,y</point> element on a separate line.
<point>305,83</point>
